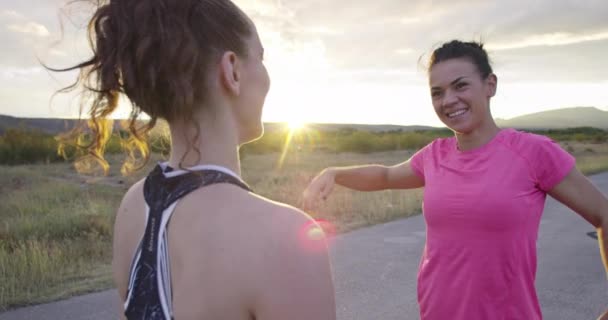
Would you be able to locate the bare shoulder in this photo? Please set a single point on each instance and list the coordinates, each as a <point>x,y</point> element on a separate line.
<point>273,229</point>
<point>244,218</point>
<point>129,216</point>
<point>278,274</point>
<point>287,234</point>
<point>293,280</point>
<point>128,228</point>
<point>133,194</point>
<point>281,220</point>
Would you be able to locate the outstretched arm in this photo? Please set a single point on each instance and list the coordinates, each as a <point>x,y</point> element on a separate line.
<point>580,195</point>
<point>370,177</point>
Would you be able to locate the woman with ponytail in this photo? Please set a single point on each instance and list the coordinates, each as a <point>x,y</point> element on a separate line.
<point>192,240</point>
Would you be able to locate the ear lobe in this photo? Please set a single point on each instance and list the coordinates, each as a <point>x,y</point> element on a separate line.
<point>229,73</point>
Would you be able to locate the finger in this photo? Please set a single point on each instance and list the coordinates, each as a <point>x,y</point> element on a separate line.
<point>326,191</point>
<point>306,195</point>
<point>305,201</point>
<point>309,199</point>
<point>309,205</point>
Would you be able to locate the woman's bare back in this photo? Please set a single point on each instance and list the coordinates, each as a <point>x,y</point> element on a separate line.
<point>233,255</point>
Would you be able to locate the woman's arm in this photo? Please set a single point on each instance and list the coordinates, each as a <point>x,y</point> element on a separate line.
<point>370,177</point>
<point>580,195</point>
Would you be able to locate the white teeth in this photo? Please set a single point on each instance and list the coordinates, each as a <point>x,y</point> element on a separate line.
<point>457,113</point>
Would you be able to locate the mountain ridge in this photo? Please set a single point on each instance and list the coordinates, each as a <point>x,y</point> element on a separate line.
<point>559,119</point>
<point>551,119</point>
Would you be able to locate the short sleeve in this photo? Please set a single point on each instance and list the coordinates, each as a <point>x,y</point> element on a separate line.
<point>550,162</point>
<point>417,161</point>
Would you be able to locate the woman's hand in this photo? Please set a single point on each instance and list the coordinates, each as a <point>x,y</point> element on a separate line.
<point>319,189</point>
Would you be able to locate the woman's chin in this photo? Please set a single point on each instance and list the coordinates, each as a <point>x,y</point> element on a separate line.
<point>461,127</point>
<point>456,126</point>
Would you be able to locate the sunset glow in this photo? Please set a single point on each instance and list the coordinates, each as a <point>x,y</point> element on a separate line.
<point>296,125</point>
<point>327,67</point>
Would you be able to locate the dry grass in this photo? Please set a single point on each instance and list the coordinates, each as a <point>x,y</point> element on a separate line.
<point>590,158</point>
<point>55,230</point>
<point>54,236</point>
<point>55,226</point>
<point>346,209</point>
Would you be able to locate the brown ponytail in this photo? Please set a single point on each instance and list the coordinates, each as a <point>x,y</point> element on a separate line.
<point>157,53</point>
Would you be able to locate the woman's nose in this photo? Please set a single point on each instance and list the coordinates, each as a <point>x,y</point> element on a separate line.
<point>449,98</point>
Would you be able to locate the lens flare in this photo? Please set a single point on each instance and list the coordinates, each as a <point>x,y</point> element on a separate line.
<point>285,148</point>
<point>316,235</point>
<point>300,136</point>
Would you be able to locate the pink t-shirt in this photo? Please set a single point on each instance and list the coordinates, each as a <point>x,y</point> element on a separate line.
<point>482,210</point>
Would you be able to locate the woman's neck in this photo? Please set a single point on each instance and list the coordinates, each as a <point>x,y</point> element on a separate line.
<point>217,144</point>
<point>478,137</point>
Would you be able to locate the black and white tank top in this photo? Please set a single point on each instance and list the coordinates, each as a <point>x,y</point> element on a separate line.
<point>149,290</point>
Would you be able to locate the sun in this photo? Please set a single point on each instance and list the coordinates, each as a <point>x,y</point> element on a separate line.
<point>295,125</point>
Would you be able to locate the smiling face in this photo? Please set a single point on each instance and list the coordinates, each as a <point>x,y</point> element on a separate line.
<point>461,97</point>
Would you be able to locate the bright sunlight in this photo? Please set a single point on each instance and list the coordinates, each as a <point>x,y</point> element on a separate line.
<point>295,125</point>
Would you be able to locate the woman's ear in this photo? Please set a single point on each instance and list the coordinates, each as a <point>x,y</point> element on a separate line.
<point>491,85</point>
<point>229,72</point>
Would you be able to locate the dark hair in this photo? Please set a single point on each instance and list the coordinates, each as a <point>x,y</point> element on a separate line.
<point>473,51</point>
<point>157,53</point>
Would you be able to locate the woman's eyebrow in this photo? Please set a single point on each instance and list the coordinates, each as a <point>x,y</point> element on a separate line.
<point>457,80</point>
<point>451,83</point>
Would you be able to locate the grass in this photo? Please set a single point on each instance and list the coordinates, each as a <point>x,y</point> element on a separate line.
<point>590,158</point>
<point>592,164</point>
<point>346,209</point>
<point>54,236</point>
<point>56,226</point>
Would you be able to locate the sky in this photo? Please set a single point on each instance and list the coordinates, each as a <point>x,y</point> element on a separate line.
<point>348,61</point>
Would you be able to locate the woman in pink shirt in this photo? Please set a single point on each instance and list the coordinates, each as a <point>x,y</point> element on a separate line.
<point>485,190</point>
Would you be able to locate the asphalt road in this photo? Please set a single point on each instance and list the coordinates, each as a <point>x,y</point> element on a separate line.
<point>375,273</point>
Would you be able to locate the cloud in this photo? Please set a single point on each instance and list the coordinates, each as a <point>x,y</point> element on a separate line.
<point>32,28</point>
<point>347,41</point>
<point>22,37</point>
<point>568,63</point>
<point>11,14</point>
<point>550,39</point>
<point>385,35</point>
<point>11,73</point>
<point>31,32</point>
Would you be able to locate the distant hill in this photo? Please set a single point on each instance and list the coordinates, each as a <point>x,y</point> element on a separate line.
<point>54,126</point>
<point>47,125</point>
<point>552,119</point>
<point>272,126</point>
<point>559,119</point>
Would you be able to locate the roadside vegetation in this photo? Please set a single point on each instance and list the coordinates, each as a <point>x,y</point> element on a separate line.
<point>56,225</point>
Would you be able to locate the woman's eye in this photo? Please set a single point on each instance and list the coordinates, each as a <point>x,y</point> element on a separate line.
<point>435,94</point>
<point>461,85</point>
